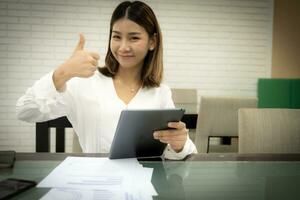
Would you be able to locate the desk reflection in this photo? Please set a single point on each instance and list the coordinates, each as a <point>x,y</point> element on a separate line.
<point>226,180</point>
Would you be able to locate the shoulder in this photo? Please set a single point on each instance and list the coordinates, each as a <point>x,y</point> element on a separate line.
<point>166,96</point>
<point>161,95</point>
<point>163,90</point>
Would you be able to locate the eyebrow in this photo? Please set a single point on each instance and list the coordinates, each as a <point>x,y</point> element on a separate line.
<point>130,33</point>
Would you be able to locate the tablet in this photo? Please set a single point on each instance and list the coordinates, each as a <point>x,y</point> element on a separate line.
<point>134,133</point>
<point>11,187</point>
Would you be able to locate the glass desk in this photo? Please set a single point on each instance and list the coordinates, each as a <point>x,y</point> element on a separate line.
<point>201,176</point>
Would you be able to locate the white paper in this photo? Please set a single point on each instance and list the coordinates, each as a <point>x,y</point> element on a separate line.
<point>90,176</point>
<point>78,194</point>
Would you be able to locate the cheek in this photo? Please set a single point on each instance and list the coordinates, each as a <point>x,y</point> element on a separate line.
<point>142,48</point>
<point>113,49</point>
<point>112,46</point>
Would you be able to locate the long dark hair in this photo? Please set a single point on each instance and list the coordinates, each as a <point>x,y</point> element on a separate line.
<point>143,15</point>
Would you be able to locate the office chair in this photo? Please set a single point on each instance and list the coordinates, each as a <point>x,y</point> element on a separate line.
<point>269,130</point>
<point>218,117</point>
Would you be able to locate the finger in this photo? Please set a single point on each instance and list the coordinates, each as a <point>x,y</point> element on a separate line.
<point>172,142</point>
<point>177,125</point>
<point>164,141</point>
<point>168,133</point>
<point>93,61</point>
<point>81,43</point>
<point>161,134</point>
<point>174,138</point>
<point>92,67</point>
<point>95,55</point>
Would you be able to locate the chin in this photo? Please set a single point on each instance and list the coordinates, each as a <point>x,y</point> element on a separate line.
<point>127,64</point>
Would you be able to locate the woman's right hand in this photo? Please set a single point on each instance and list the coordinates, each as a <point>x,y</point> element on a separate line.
<point>80,64</point>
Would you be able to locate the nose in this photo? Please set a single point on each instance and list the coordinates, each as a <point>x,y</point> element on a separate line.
<point>124,46</point>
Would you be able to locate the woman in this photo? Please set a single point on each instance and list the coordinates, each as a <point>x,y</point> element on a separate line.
<point>92,98</point>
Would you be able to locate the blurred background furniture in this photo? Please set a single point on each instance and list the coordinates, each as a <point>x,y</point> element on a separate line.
<point>218,117</point>
<point>76,148</point>
<point>269,130</point>
<point>187,99</point>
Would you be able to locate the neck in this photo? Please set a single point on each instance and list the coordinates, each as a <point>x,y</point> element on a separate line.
<point>128,76</point>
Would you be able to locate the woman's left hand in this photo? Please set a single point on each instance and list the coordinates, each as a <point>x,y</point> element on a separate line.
<point>175,137</point>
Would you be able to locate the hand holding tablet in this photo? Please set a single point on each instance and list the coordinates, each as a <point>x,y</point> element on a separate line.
<point>176,136</point>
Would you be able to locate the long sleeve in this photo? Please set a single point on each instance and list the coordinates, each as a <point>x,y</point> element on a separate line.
<point>42,102</point>
<point>188,149</point>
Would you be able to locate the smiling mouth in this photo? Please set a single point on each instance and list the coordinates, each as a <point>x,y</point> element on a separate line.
<point>126,56</point>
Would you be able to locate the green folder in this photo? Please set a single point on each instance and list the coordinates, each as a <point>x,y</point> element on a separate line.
<point>295,94</point>
<point>278,93</point>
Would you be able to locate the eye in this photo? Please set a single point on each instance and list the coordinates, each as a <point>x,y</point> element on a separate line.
<point>134,38</point>
<point>116,37</point>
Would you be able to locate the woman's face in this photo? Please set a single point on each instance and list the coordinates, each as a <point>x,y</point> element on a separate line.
<point>130,43</point>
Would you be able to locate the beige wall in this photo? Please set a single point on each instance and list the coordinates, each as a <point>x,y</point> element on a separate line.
<point>286,39</point>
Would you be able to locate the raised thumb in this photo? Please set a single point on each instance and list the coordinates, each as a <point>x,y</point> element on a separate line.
<point>81,43</point>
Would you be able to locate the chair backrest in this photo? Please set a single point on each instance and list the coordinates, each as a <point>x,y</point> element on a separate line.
<point>43,135</point>
<point>42,139</point>
<point>218,116</point>
<point>269,130</point>
<point>185,98</point>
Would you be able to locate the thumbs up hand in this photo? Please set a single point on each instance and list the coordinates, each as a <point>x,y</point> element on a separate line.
<point>80,64</point>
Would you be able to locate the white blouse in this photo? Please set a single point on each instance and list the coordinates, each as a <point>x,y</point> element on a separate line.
<point>93,108</point>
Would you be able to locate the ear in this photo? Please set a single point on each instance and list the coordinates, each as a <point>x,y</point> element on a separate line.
<point>152,42</point>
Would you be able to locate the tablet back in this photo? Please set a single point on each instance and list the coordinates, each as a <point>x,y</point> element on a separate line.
<point>134,133</point>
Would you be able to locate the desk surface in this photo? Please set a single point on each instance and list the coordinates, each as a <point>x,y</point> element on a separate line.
<point>202,176</point>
